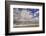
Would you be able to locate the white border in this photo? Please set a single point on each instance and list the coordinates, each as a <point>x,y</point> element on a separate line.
<point>28,28</point>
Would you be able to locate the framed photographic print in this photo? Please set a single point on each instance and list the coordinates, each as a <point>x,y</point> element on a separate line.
<point>24,17</point>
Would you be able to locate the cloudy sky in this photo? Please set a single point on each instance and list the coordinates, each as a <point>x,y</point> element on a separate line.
<point>26,14</point>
